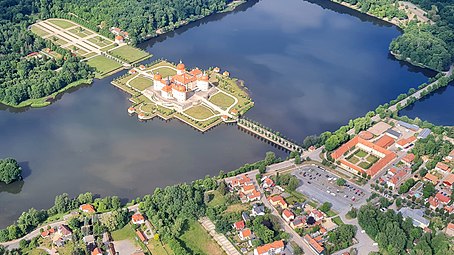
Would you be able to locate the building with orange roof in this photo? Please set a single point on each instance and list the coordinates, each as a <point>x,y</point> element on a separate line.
<point>239,225</point>
<point>450,229</point>
<point>442,167</point>
<point>406,142</point>
<point>132,71</point>
<point>318,215</point>
<point>254,196</point>
<point>314,245</point>
<point>432,178</point>
<point>385,156</point>
<point>385,141</point>
<point>396,178</point>
<point>47,233</point>
<point>276,247</point>
<point>196,72</point>
<point>181,68</point>
<point>366,135</point>
<point>450,157</point>
<point>433,203</point>
<point>246,189</point>
<point>449,180</point>
<point>442,198</point>
<point>267,182</point>
<point>119,39</point>
<point>141,236</point>
<point>142,67</point>
<point>241,180</point>
<point>245,234</point>
<point>87,208</point>
<point>408,159</point>
<point>138,218</point>
<point>96,251</point>
<point>278,201</point>
<point>298,222</point>
<point>288,215</point>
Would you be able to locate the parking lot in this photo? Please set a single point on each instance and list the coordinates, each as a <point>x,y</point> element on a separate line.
<point>320,185</point>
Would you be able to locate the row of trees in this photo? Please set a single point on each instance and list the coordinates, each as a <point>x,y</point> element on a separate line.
<point>10,170</point>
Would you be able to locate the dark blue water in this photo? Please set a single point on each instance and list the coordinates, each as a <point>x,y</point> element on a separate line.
<point>437,107</point>
<point>309,69</point>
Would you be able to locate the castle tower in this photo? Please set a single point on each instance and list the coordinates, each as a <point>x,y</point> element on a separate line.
<point>180,68</point>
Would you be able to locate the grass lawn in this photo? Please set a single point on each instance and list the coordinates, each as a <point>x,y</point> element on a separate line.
<point>61,23</point>
<point>125,233</point>
<point>141,83</point>
<point>148,108</point>
<point>57,40</point>
<point>337,220</point>
<point>330,213</point>
<point>100,41</point>
<point>109,47</point>
<point>239,207</point>
<point>38,31</point>
<point>364,165</point>
<point>353,160</point>
<point>231,86</point>
<point>37,251</point>
<point>103,64</point>
<point>81,32</point>
<point>199,241</point>
<point>199,112</point>
<point>165,71</point>
<point>360,153</point>
<point>157,248</point>
<point>130,54</point>
<point>217,200</point>
<point>222,100</point>
<point>67,249</point>
<point>372,159</point>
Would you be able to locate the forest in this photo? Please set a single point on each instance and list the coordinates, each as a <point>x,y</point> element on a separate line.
<point>429,45</point>
<point>10,170</point>
<point>21,77</point>
<point>396,235</point>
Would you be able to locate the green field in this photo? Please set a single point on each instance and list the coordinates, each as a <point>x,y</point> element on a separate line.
<point>353,160</point>
<point>364,165</point>
<point>57,40</point>
<point>123,234</point>
<point>157,248</point>
<point>199,112</point>
<point>100,41</point>
<point>165,71</point>
<point>129,54</point>
<point>103,64</point>
<point>222,100</point>
<point>61,23</point>
<point>360,153</point>
<point>372,159</point>
<point>337,220</point>
<point>217,200</point>
<point>199,241</point>
<point>141,83</point>
<point>38,31</point>
<point>109,47</point>
<point>81,32</point>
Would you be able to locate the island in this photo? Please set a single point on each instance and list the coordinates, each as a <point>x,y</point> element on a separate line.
<point>201,99</point>
<point>10,170</point>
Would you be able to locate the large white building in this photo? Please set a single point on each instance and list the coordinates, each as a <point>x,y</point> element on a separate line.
<point>177,86</point>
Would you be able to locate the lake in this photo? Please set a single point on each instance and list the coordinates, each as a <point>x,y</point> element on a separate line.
<point>309,66</point>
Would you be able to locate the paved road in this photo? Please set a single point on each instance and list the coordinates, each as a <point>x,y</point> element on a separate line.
<point>226,245</point>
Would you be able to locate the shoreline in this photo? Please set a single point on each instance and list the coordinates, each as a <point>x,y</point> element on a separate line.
<point>48,100</point>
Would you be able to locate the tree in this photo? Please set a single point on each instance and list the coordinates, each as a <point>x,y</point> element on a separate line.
<point>293,183</point>
<point>428,190</point>
<point>9,170</point>
<point>341,182</point>
<point>297,159</point>
<point>222,188</point>
<point>270,157</point>
<point>325,207</point>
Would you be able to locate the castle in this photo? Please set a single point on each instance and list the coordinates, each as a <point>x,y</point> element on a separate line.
<point>178,86</point>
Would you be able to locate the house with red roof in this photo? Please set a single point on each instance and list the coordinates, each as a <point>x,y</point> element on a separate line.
<point>288,215</point>
<point>245,234</point>
<point>247,189</point>
<point>241,180</point>
<point>385,141</point>
<point>87,208</point>
<point>96,251</point>
<point>442,167</point>
<point>278,201</point>
<point>239,225</point>
<point>318,215</point>
<point>141,236</point>
<point>449,180</point>
<point>267,182</point>
<point>405,143</point>
<point>276,247</point>
<point>433,203</point>
<point>408,159</point>
<point>314,245</point>
<point>396,179</point>
<point>432,178</point>
<point>254,196</point>
<point>138,218</point>
<point>450,157</point>
<point>47,233</point>
<point>450,229</point>
<point>443,198</point>
<point>298,222</point>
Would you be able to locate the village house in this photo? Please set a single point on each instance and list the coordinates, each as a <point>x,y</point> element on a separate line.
<point>314,245</point>
<point>267,183</point>
<point>278,201</point>
<point>450,157</point>
<point>241,180</point>
<point>298,222</point>
<point>276,247</point>
<point>96,251</point>
<point>449,180</point>
<point>432,178</point>
<point>141,236</point>
<point>433,203</point>
<point>408,159</point>
<point>288,215</point>
<point>450,229</point>
<point>87,208</point>
<point>245,234</point>
<point>239,225</point>
<point>397,178</point>
<point>443,198</point>
<point>317,215</point>
<point>442,167</point>
<point>405,143</point>
<point>257,210</point>
<point>138,218</point>
<point>47,233</point>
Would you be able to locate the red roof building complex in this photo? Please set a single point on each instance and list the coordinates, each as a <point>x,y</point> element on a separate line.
<point>385,156</point>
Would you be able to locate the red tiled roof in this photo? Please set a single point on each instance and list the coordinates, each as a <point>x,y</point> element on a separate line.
<point>167,88</point>
<point>184,78</point>
<point>195,72</point>
<point>442,198</point>
<point>180,66</point>
<point>314,244</point>
<point>96,251</point>
<point>409,158</point>
<point>450,226</point>
<point>278,200</point>
<point>274,245</point>
<point>239,225</point>
<point>246,232</point>
<point>449,180</point>
<point>87,208</point>
<point>287,213</point>
<point>137,217</point>
<point>141,236</point>
<point>385,141</point>
<point>433,202</point>
<point>431,177</point>
<point>442,166</point>
<point>406,141</point>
